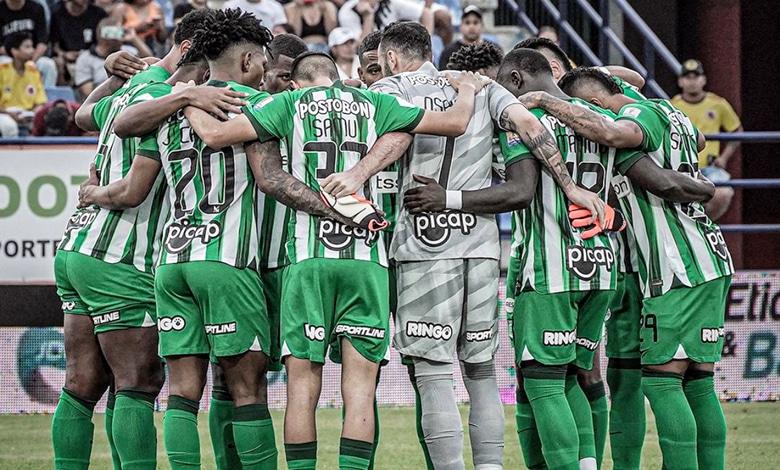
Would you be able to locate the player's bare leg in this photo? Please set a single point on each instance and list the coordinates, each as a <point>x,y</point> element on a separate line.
<point>187,377</point>
<point>304,384</point>
<point>358,389</point>
<point>253,429</point>
<point>86,379</point>
<point>592,385</point>
<point>138,377</point>
<point>221,421</point>
<point>710,423</point>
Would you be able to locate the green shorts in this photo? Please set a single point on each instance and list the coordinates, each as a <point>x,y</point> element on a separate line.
<point>685,323</point>
<point>624,318</point>
<point>272,281</point>
<point>326,299</point>
<point>208,307</point>
<point>116,295</point>
<point>561,328</point>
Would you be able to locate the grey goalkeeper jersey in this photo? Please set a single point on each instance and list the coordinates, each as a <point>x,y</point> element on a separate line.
<point>457,163</point>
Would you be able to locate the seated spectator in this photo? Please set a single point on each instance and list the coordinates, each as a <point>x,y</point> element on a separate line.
<point>73,27</point>
<point>183,8</point>
<point>483,58</point>
<point>56,118</point>
<point>21,88</point>
<point>312,21</point>
<point>89,70</point>
<point>145,17</point>
<point>711,114</point>
<point>549,32</point>
<point>471,29</point>
<point>28,16</point>
<point>343,50</point>
<point>364,16</point>
<point>107,5</point>
<point>270,12</point>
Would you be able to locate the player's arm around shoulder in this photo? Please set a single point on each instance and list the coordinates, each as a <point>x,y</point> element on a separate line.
<point>667,184</point>
<point>125,193</point>
<point>454,121</point>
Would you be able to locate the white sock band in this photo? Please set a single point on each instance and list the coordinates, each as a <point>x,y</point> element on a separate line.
<point>453,200</point>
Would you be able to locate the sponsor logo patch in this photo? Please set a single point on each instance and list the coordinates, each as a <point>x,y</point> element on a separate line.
<point>68,306</point>
<point>428,330</point>
<point>434,228</point>
<point>364,331</point>
<point>221,328</point>
<point>81,219</point>
<point>176,323</point>
<point>717,242</point>
<point>559,338</point>
<point>337,236</point>
<point>314,333</point>
<point>584,262</point>
<point>105,318</point>
<point>179,235</point>
<point>712,335</point>
<point>476,336</point>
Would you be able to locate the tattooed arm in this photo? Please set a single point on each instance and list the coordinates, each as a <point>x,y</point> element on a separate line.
<point>266,163</point>
<point>542,144</point>
<point>588,124</point>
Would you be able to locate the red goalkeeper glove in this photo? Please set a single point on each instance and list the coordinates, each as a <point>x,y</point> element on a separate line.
<point>359,210</point>
<point>583,219</point>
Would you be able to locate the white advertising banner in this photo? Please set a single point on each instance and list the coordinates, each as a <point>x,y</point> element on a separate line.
<point>38,193</point>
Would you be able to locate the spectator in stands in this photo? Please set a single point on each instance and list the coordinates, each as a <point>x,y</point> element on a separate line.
<point>21,87</point>
<point>73,27</point>
<point>471,29</point>
<point>312,21</point>
<point>28,16</point>
<point>343,50</point>
<point>711,114</point>
<point>90,71</point>
<point>183,8</point>
<point>364,16</point>
<point>145,17</point>
<point>107,5</point>
<point>548,32</point>
<point>282,51</point>
<point>270,12</point>
<point>370,71</point>
<point>56,118</point>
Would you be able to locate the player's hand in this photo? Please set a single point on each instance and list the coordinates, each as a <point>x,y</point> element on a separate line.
<point>86,188</point>
<point>343,183</point>
<point>457,81</point>
<point>359,211</point>
<point>430,197</point>
<point>219,101</point>
<point>123,64</point>
<point>353,82</point>
<point>532,99</point>
<point>589,201</point>
<point>583,219</point>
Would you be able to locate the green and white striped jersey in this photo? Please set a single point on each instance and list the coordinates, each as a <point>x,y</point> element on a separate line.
<point>273,218</point>
<point>212,192</point>
<point>326,130</point>
<point>628,89</point>
<point>678,245</point>
<point>553,255</point>
<point>128,236</point>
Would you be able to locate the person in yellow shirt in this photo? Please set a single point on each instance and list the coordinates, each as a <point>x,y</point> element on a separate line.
<point>21,88</point>
<point>711,114</point>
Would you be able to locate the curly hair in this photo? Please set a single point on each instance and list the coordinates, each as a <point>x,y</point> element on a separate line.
<point>476,56</point>
<point>225,28</point>
<point>189,25</point>
<point>571,82</point>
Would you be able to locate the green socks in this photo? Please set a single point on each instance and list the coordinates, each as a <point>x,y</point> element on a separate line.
<point>221,429</point>
<point>301,456</point>
<point>526,432</point>
<point>673,418</point>
<point>545,387</point>
<point>710,422</point>
<point>180,432</point>
<point>71,432</point>
<point>376,435</point>
<point>133,430</point>
<point>254,435</point>
<point>354,454</point>
<point>627,421</point>
<point>599,412</point>
<point>117,465</point>
<point>580,409</point>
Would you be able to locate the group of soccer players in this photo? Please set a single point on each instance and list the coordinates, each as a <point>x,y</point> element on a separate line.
<point>240,218</point>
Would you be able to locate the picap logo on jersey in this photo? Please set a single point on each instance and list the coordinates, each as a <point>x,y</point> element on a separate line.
<point>364,331</point>
<point>434,228</point>
<point>105,318</point>
<point>584,262</point>
<point>428,330</point>
<point>179,235</point>
<point>337,236</point>
<point>481,335</point>
<point>221,328</point>
<point>81,218</point>
<point>712,335</point>
<point>314,333</point>
<point>176,323</point>
<point>717,242</point>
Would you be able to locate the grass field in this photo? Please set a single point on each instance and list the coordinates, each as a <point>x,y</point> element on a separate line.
<point>753,440</point>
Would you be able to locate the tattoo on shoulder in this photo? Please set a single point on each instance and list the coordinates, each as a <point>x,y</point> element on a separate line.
<point>506,122</point>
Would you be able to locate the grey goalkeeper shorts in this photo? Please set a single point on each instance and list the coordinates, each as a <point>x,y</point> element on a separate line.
<point>447,306</point>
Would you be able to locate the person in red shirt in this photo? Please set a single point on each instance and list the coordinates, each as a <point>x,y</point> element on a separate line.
<point>56,118</point>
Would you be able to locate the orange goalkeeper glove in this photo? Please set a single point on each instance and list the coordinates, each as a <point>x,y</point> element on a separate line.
<point>583,219</point>
<point>359,210</point>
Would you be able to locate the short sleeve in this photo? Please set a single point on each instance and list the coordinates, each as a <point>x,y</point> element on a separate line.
<point>150,92</point>
<point>394,114</point>
<point>512,147</point>
<point>41,28</point>
<point>101,109</point>
<point>40,93</point>
<point>498,100</point>
<point>389,86</point>
<point>271,116</point>
<point>148,147</point>
<point>729,120</point>
<point>647,121</point>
